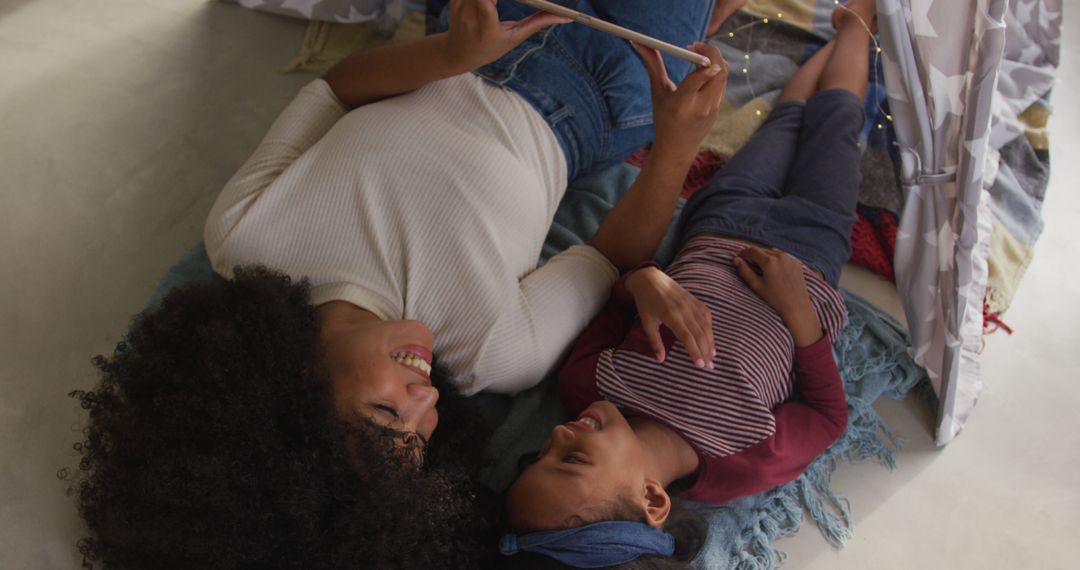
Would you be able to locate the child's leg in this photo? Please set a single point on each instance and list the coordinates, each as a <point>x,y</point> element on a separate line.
<point>723,10</point>
<point>761,164</point>
<point>818,208</point>
<point>760,168</point>
<point>826,165</point>
<point>848,67</point>
<point>805,81</point>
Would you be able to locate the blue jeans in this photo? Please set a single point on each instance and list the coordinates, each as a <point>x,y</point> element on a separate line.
<point>592,87</point>
<point>793,186</point>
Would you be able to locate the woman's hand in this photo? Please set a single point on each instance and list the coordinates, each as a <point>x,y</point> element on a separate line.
<point>633,229</point>
<point>476,36</point>
<point>683,115</point>
<point>662,301</point>
<point>778,278</point>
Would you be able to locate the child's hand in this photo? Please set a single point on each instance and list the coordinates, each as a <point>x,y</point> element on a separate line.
<point>683,115</point>
<point>778,278</point>
<point>662,301</point>
<point>476,36</point>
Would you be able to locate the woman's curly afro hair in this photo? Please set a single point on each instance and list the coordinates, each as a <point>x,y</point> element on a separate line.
<point>212,443</point>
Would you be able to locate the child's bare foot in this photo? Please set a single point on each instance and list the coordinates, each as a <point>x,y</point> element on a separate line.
<point>721,12</point>
<point>864,9</point>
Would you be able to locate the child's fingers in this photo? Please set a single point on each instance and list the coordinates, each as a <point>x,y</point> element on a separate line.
<point>685,336</point>
<point>651,327</point>
<point>690,333</point>
<point>705,322</point>
<point>701,321</point>
<point>747,274</point>
<point>757,255</point>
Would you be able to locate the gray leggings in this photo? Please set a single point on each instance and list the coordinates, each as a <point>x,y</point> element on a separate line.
<point>793,186</point>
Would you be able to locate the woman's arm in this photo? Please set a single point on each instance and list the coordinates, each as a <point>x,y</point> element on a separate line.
<point>476,37</point>
<point>312,113</point>
<point>632,231</point>
<point>537,326</point>
<point>559,299</point>
<point>378,73</point>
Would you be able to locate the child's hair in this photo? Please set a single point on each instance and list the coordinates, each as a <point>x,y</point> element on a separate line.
<point>687,526</point>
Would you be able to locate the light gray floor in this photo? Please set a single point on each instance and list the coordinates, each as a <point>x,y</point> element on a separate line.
<point>121,119</point>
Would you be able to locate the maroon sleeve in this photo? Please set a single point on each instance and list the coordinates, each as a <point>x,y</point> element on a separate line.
<point>804,430</point>
<point>576,384</point>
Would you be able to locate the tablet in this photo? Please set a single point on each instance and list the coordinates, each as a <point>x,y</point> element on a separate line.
<point>620,31</point>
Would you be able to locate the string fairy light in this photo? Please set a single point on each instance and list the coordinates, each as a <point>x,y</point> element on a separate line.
<point>779,16</point>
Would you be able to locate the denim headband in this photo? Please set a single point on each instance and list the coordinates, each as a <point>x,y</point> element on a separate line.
<point>596,545</point>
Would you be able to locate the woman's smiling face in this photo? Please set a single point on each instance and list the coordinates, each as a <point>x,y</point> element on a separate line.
<point>585,464</point>
<point>381,371</point>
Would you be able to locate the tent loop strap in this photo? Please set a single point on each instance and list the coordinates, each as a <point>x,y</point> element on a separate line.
<point>918,176</point>
<point>938,178</point>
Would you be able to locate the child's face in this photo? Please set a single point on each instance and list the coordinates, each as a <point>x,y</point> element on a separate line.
<point>585,464</point>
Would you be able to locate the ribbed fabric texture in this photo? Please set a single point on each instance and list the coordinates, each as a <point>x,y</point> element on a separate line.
<point>730,408</point>
<point>433,206</point>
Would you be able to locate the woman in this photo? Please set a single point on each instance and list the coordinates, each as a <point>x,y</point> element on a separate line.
<point>754,284</point>
<point>283,418</point>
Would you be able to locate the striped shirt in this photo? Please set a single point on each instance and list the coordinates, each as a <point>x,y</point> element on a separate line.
<point>738,408</point>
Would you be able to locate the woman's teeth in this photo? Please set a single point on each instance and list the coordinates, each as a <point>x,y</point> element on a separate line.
<point>409,359</point>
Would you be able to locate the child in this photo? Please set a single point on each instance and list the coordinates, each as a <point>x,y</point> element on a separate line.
<point>753,288</point>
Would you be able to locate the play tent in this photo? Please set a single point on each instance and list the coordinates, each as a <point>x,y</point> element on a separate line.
<point>958,75</point>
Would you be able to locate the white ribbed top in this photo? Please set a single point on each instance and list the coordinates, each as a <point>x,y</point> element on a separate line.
<point>433,206</point>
